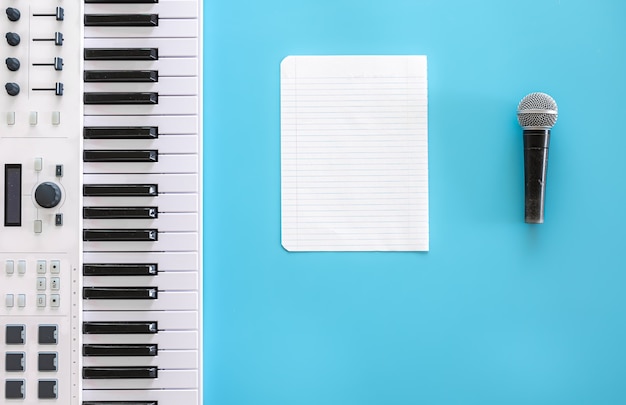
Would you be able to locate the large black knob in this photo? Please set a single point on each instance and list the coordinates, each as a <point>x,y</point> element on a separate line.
<point>12,63</point>
<point>13,14</point>
<point>13,38</point>
<point>12,88</point>
<point>48,195</point>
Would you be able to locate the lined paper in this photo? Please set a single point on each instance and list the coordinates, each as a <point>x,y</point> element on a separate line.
<point>354,153</point>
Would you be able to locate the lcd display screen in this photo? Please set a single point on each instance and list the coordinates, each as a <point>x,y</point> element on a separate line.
<point>12,195</point>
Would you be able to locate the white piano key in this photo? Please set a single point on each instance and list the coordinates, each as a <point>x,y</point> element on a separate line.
<point>178,242</point>
<point>168,124</point>
<point>177,144</point>
<point>165,202</point>
<point>164,8</point>
<point>166,301</point>
<point>170,281</point>
<point>166,379</point>
<point>165,66</point>
<point>167,340</point>
<point>166,222</point>
<point>168,183</point>
<point>166,261</point>
<point>176,105</point>
<point>164,397</point>
<point>174,28</point>
<point>168,321</point>
<point>168,47</point>
<point>166,86</point>
<point>166,164</point>
<point>165,360</point>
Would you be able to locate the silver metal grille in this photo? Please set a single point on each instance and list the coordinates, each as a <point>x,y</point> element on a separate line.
<point>537,110</point>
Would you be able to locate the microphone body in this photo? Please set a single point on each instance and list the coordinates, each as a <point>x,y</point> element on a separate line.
<point>537,113</point>
<point>536,143</point>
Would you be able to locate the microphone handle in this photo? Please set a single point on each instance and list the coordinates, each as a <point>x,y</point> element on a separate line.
<point>536,143</point>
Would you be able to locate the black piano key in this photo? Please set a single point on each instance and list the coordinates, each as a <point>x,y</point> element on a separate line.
<point>120,269</point>
<point>120,212</point>
<point>120,403</point>
<point>120,293</point>
<point>121,76</point>
<point>119,372</point>
<point>120,190</point>
<point>121,98</point>
<point>121,20</point>
<point>103,350</point>
<point>120,235</point>
<point>121,54</point>
<point>120,328</point>
<point>121,155</point>
<point>120,132</point>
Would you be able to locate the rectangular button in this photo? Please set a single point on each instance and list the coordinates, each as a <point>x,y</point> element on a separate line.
<point>11,118</point>
<point>47,389</point>
<point>38,164</point>
<point>32,118</point>
<point>9,266</point>
<point>14,389</point>
<point>56,117</point>
<point>55,283</point>
<point>15,334</point>
<point>21,266</point>
<point>9,300</point>
<point>47,361</point>
<point>38,226</point>
<point>41,283</point>
<point>15,361</point>
<point>41,300</point>
<point>55,300</point>
<point>48,334</point>
<point>41,266</point>
<point>21,300</point>
<point>55,266</point>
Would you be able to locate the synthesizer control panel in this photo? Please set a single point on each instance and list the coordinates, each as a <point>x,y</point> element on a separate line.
<point>100,202</point>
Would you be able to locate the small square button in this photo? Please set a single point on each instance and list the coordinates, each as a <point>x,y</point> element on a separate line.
<point>41,283</point>
<point>47,361</point>
<point>55,283</point>
<point>47,389</point>
<point>41,267</point>
<point>48,334</point>
<point>55,300</point>
<point>9,300</point>
<point>15,361</point>
<point>15,334</point>
<point>21,300</point>
<point>9,266</point>
<point>55,266</point>
<point>41,300</point>
<point>21,266</point>
<point>14,389</point>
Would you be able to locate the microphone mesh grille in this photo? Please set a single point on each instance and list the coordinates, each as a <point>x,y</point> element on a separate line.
<point>537,101</point>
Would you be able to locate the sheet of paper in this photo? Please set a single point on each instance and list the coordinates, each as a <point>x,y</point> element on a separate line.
<point>354,153</point>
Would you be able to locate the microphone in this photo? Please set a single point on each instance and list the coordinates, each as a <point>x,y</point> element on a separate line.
<point>537,114</point>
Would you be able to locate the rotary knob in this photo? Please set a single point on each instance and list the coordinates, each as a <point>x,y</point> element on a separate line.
<point>13,64</point>
<point>12,88</point>
<point>48,195</point>
<point>13,38</point>
<point>13,14</point>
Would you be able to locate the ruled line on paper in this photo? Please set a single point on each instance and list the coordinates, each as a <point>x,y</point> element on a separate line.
<point>354,153</point>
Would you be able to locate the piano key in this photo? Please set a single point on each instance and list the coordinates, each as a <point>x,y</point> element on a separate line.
<point>116,133</point>
<point>166,222</point>
<point>141,397</point>
<point>120,212</point>
<point>121,98</point>
<point>166,202</point>
<point>165,8</point>
<point>120,235</point>
<point>119,350</point>
<point>167,301</point>
<point>120,269</point>
<point>119,155</point>
<point>119,327</point>
<point>166,86</point>
<point>167,183</point>
<point>167,47</point>
<point>166,261</point>
<point>166,144</point>
<point>166,281</point>
<point>121,20</point>
<point>109,373</point>
<point>123,76</point>
<point>166,164</point>
<point>167,124</point>
<point>165,320</point>
<point>123,190</point>
<point>120,293</point>
<point>167,105</point>
<point>168,241</point>
<point>166,339</point>
<point>165,360</point>
<point>172,379</point>
<point>174,28</point>
<point>121,54</point>
<point>166,66</point>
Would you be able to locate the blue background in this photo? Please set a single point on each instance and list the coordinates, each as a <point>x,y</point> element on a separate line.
<point>498,312</point>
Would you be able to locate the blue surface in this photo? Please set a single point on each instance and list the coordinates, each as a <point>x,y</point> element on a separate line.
<point>498,312</point>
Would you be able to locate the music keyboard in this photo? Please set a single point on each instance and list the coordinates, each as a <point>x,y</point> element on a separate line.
<point>101,240</point>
